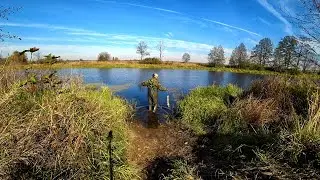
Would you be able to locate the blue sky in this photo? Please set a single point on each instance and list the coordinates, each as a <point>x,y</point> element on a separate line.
<point>82,28</point>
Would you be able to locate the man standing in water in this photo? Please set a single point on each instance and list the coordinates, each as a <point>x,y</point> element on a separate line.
<point>154,86</point>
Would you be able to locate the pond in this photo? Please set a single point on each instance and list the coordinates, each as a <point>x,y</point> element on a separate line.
<point>125,81</point>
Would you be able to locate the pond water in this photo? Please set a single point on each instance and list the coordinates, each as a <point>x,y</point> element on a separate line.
<point>125,81</point>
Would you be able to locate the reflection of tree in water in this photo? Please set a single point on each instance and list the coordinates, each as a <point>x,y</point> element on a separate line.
<point>105,75</point>
<point>242,80</point>
<point>216,78</point>
<point>185,77</point>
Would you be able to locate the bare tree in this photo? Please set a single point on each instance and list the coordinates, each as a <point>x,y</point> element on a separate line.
<point>142,49</point>
<point>161,47</point>
<point>305,56</point>
<point>186,57</point>
<point>216,56</point>
<point>285,53</point>
<point>263,51</point>
<point>5,12</point>
<point>308,18</point>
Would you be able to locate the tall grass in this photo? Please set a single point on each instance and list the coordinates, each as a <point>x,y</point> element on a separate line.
<point>60,132</point>
<point>204,105</point>
<point>276,123</point>
<point>309,131</point>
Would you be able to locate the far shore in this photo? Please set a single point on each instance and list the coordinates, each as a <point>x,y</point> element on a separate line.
<point>163,65</point>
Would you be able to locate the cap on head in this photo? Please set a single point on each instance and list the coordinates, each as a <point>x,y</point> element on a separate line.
<point>155,75</point>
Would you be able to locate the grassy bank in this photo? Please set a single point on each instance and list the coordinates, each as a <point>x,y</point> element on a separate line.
<point>163,65</point>
<point>270,131</point>
<point>53,129</point>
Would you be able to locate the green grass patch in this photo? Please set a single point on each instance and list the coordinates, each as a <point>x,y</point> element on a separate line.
<point>204,105</point>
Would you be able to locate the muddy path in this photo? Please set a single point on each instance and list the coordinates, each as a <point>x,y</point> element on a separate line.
<point>149,145</point>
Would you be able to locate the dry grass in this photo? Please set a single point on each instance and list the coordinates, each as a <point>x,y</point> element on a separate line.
<point>308,131</point>
<point>256,111</point>
<point>60,132</point>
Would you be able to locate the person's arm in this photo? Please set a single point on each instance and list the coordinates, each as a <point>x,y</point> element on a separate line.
<point>146,83</point>
<point>161,88</point>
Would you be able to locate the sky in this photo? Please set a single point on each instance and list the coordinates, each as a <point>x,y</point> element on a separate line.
<point>77,29</point>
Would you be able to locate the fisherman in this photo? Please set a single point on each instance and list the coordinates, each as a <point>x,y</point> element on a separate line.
<point>154,86</point>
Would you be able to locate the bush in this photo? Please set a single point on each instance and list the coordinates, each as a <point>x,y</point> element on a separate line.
<point>291,95</point>
<point>203,106</point>
<point>151,61</point>
<point>48,60</point>
<point>247,115</point>
<point>16,58</point>
<point>294,71</point>
<point>104,56</point>
<point>61,132</point>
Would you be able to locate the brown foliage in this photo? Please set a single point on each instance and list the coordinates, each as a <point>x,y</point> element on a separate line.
<point>290,95</point>
<point>257,111</point>
<point>17,58</point>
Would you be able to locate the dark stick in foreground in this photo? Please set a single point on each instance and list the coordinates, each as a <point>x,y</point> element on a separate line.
<point>110,136</point>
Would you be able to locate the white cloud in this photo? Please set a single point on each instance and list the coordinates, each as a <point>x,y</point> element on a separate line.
<point>122,45</point>
<point>272,10</point>
<point>142,6</point>
<point>74,52</point>
<point>44,26</point>
<point>264,21</point>
<point>230,26</point>
<point>152,41</point>
<point>187,19</point>
<point>169,34</point>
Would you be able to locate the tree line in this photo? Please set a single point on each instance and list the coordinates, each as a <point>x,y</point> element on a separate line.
<point>291,53</point>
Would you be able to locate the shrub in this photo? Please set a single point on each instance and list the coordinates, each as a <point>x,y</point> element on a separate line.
<point>293,71</point>
<point>203,106</point>
<point>104,56</point>
<point>247,114</point>
<point>151,61</point>
<point>290,94</point>
<point>253,66</point>
<point>16,58</point>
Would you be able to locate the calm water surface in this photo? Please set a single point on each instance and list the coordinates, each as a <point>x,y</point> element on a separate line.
<point>126,80</point>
